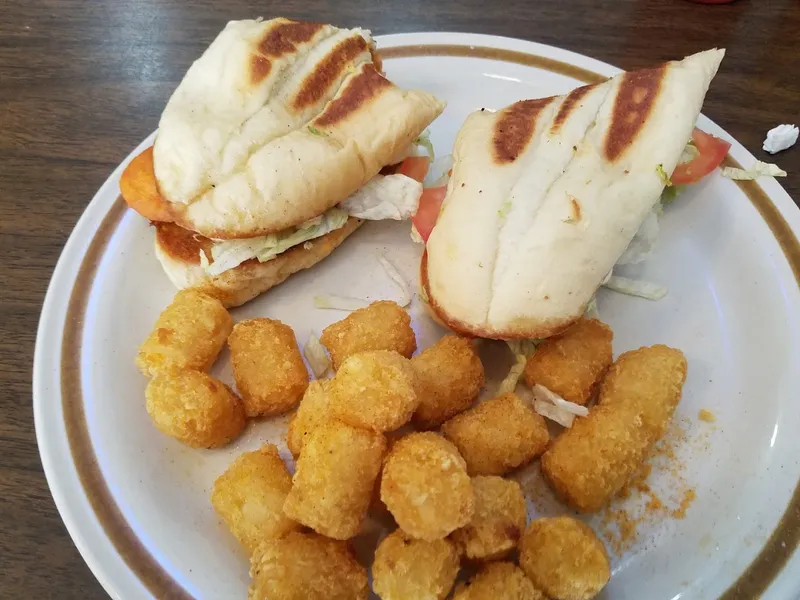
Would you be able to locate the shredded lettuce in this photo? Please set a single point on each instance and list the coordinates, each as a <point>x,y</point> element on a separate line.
<point>668,195</point>
<point>509,384</point>
<point>522,349</point>
<point>398,280</point>
<point>642,244</point>
<point>591,309</point>
<point>204,262</point>
<point>333,302</point>
<point>424,140</point>
<point>759,169</point>
<point>636,287</point>
<point>553,412</point>
<point>504,209</point>
<point>690,152</point>
<point>231,253</point>
<point>415,236</point>
<point>663,175</point>
<point>385,197</point>
<point>552,406</point>
<point>439,172</point>
<point>316,356</point>
<point>543,393</point>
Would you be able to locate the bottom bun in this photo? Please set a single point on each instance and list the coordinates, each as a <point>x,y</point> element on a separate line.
<point>529,329</point>
<point>178,251</point>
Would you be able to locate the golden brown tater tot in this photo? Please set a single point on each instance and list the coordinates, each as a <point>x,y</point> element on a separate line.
<point>194,408</point>
<point>564,558</point>
<point>333,484</point>
<point>498,522</point>
<point>267,366</point>
<point>498,435</point>
<point>425,486</point>
<point>450,378</point>
<point>382,325</point>
<point>306,566</point>
<point>188,334</point>
<point>591,461</point>
<point>406,568</point>
<point>249,497</point>
<point>572,364</point>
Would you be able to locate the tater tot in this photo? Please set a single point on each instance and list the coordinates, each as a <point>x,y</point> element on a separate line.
<point>374,390</point>
<point>405,568</point>
<point>572,364</point>
<point>382,325</point>
<point>425,486</point>
<point>564,558</point>
<point>267,366</point>
<point>498,522</point>
<point>498,435</point>
<point>336,472</point>
<point>188,334</point>
<point>249,497</point>
<point>450,376</point>
<point>194,408</point>
<point>590,462</point>
<point>498,581</point>
<point>306,566</point>
<point>314,410</point>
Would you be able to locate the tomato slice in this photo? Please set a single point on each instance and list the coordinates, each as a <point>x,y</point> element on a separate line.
<point>415,167</point>
<point>430,203</point>
<point>711,152</point>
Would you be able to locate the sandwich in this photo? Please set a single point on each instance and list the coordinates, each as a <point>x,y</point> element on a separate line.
<point>547,194</point>
<point>279,141</point>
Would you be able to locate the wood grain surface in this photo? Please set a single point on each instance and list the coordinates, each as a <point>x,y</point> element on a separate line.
<point>81,83</point>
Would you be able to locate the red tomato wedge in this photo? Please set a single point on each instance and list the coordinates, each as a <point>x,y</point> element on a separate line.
<point>711,152</point>
<point>430,203</point>
<point>415,167</point>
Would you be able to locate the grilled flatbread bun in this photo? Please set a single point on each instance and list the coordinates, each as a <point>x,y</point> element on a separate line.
<point>546,195</point>
<point>275,123</point>
<point>178,250</point>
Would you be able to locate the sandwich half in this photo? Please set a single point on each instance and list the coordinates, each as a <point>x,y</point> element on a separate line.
<point>281,138</point>
<point>547,194</point>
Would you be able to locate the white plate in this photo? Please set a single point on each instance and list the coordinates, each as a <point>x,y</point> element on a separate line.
<point>136,503</point>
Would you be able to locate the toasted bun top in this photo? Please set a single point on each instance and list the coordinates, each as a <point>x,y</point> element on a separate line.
<point>546,195</point>
<point>276,122</point>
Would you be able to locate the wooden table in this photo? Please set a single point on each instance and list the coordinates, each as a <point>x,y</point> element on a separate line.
<point>81,83</point>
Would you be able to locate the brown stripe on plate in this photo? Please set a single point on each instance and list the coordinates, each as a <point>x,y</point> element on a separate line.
<point>510,56</point>
<point>157,581</point>
<point>785,538</point>
<point>752,583</point>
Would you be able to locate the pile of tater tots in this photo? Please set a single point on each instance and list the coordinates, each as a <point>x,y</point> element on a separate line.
<point>402,438</point>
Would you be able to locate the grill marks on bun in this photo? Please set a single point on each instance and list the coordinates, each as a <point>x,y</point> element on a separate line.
<point>329,71</point>
<point>280,40</point>
<point>357,93</point>
<point>277,122</point>
<point>514,128</point>
<point>256,82</point>
<point>546,195</point>
<point>636,96</point>
<point>571,101</point>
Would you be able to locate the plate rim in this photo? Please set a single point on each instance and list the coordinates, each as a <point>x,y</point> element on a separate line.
<point>72,261</point>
